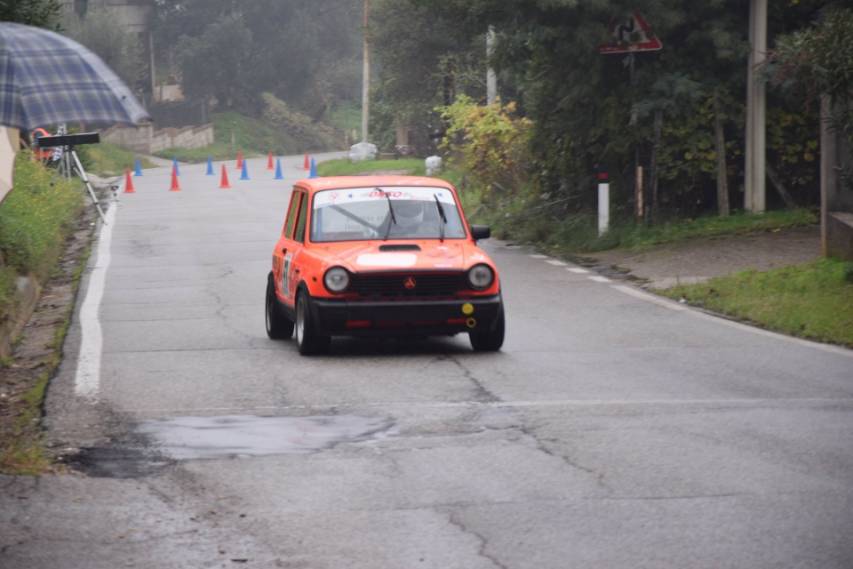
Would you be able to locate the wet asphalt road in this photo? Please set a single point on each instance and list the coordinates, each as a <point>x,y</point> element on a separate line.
<point>611,431</point>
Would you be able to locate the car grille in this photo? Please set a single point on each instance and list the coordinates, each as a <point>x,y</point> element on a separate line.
<point>408,285</point>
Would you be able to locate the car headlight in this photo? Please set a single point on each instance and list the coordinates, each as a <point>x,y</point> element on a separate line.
<point>336,279</point>
<point>481,277</point>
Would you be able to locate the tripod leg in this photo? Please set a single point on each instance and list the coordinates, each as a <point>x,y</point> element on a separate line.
<point>82,173</point>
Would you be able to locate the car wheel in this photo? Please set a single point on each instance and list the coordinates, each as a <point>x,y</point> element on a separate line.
<point>308,340</point>
<point>490,339</point>
<point>279,327</point>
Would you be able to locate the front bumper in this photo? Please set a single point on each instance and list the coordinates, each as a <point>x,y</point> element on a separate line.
<point>433,317</point>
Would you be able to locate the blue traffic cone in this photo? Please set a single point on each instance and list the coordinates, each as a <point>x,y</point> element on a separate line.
<point>313,172</point>
<point>209,166</point>
<point>137,167</point>
<point>278,175</point>
<point>244,172</point>
<point>175,166</point>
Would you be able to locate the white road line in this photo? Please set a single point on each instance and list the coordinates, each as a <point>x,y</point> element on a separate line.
<point>577,271</point>
<point>410,405</point>
<point>555,262</point>
<point>837,350</point>
<point>599,279</point>
<point>537,256</point>
<point>649,297</point>
<point>88,377</point>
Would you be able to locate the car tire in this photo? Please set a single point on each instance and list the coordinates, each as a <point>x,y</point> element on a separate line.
<point>308,340</point>
<point>490,339</point>
<point>279,326</point>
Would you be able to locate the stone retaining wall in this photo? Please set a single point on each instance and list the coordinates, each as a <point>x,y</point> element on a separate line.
<point>146,139</point>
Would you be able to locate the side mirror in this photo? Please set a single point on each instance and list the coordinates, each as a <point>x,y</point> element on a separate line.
<point>480,232</point>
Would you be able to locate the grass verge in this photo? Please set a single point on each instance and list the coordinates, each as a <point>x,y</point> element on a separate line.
<point>40,230</point>
<point>578,233</point>
<point>234,132</point>
<point>250,135</point>
<point>107,159</point>
<point>814,300</point>
<point>35,218</point>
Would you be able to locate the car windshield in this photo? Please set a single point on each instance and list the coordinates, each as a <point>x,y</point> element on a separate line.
<point>399,212</point>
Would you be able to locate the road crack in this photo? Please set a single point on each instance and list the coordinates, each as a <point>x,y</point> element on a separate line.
<point>481,392</point>
<point>484,542</point>
<point>541,446</point>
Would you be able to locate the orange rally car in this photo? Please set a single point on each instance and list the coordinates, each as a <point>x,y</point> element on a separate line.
<point>381,255</point>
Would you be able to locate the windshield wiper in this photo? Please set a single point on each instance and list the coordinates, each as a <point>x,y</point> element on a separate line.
<point>441,215</point>
<point>391,211</point>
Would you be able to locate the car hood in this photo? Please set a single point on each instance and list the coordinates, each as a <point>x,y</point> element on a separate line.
<point>401,255</point>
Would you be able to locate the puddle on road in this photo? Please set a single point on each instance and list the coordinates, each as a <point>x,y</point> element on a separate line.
<point>186,438</point>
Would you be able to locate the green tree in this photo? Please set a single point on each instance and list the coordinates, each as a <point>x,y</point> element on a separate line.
<point>121,51</point>
<point>305,53</point>
<point>586,112</point>
<point>424,60</point>
<point>41,13</point>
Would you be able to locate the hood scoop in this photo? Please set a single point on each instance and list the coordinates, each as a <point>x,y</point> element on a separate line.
<point>399,247</point>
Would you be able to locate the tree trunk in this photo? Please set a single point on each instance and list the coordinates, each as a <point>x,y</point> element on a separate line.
<point>780,187</point>
<point>653,166</point>
<point>722,172</point>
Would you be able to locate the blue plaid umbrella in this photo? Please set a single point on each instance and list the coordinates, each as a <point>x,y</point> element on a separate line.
<point>48,79</point>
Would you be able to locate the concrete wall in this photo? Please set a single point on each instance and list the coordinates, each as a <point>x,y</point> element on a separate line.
<point>836,191</point>
<point>146,140</point>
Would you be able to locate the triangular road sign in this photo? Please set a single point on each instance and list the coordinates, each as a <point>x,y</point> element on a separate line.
<point>630,35</point>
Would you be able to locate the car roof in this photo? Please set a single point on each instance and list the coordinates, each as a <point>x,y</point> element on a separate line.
<point>341,182</point>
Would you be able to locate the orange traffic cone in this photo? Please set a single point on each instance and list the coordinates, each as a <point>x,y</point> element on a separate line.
<point>128,183</point>
<point>270,165</point>
<point>223,180</point>
<point>306,164</point>
<point>239,159</point>
<point>176,187</point>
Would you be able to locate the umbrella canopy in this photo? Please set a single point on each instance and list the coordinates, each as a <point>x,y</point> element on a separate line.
<point>48,79</point>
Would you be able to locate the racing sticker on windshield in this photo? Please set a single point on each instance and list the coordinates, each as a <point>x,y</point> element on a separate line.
<point>338,197</point>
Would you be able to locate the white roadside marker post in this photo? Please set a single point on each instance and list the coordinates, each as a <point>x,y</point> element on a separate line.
<point>603,203</point>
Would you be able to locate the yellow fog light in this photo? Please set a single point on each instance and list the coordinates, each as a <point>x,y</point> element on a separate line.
<point>467,309</point>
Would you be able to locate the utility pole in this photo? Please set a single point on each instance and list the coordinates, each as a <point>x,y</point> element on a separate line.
<point>491,78</point>
<point>365,79</point>
<point>755,155</point>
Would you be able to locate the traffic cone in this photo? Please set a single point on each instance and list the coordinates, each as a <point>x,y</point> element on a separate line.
<point>223,179</point>
<point>137,167</point>
<point>269,161</point>
<point>278,175</point>
<point>175,167</point>
<point>239,159</point>
<point>209,166</point>
<point>244,172</point>
<point>313,171</point>
<point>306,165</point>
<point>128,183</point>
<point>176,187</point>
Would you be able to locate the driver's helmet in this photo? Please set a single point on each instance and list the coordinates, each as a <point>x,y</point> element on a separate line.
<point>409,213</point>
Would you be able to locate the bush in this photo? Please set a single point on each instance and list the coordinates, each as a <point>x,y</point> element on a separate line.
<point>491,142</point>
<point>36,216</point>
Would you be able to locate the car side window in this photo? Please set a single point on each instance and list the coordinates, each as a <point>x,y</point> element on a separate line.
<point>299,235</point>
<point>291,214</point>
